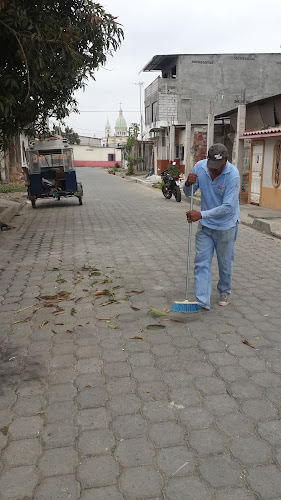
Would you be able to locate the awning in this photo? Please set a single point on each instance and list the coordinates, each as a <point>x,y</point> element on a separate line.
<point>261,134</point>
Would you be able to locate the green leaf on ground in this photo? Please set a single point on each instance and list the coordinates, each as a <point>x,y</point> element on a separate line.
<point>112,326</point>
<point>158,313</point>
<point>4,430</point>
<point>155,327</point>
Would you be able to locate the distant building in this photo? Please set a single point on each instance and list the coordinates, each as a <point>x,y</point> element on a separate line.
<point>120,132</point>
<point>96,156</point>
<point>89,141</point>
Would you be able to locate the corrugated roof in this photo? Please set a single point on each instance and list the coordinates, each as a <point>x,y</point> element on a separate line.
<point>227,114</point>
<point>258,134</point>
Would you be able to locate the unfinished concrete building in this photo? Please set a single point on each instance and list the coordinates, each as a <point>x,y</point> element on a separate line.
<point>193,87</point>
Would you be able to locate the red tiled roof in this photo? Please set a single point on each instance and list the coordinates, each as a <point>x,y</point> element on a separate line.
<point>258,134</point>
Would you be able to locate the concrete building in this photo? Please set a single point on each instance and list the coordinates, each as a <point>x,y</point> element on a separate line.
<point>256,138</point>
<point>96,156</point>
<point>191,88</point>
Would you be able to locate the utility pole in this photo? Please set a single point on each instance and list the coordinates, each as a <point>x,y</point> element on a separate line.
<point>241,125</point>
<point>210,132</point>
<point>140,85</point>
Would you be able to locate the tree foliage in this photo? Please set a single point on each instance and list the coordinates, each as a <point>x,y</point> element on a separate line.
<point>49,48</point>
<point>131,149</point>
<point>71,136</point>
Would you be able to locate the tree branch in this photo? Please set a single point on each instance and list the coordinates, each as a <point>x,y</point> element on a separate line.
<point>24,56</point>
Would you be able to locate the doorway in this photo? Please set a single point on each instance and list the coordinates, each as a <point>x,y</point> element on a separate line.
<point>256,172</point>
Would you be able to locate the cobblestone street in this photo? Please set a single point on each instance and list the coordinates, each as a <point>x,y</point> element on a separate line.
<point>94,405</point>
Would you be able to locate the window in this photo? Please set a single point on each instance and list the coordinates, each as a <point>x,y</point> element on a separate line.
<point>111,157</point>
<point>147,115</point>
<point>154,109</point>
<point>180,152</point>
<point>276,178</point>
<point>163,140</point>
<point>174,72</point>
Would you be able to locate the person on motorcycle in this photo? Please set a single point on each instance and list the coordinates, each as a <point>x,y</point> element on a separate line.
<point>219,182</point>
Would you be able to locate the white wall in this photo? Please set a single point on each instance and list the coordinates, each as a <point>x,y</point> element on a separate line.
<point>94,154</point>
<point>268,161</point>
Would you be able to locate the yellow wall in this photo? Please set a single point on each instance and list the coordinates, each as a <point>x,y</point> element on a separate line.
<point>270,198</point>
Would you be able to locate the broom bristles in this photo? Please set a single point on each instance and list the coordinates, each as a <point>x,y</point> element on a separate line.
<point>186,307</point>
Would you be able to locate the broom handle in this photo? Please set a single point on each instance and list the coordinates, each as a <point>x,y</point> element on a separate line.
<point>189,246</point>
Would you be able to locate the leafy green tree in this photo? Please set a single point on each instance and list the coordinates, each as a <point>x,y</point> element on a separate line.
<point>49,48</point>
<point>131,149</point>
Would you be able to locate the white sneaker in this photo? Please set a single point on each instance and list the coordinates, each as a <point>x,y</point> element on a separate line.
<point>224,299</point>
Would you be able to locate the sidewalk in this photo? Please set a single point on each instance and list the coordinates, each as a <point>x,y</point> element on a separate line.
<point>10,205</point>
<point>262,219</point>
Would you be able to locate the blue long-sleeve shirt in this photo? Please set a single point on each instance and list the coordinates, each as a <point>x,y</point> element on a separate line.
<point>219,198</point>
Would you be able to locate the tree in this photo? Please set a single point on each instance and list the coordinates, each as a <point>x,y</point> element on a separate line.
<point>49,48</point>
<point>69,134</point>
<point>131,149</point>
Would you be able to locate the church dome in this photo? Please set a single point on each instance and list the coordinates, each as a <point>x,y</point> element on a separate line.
<point>121,122</point>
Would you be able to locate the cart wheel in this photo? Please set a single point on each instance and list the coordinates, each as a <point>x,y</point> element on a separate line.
<point>80,200</point>
<point>33,203</point>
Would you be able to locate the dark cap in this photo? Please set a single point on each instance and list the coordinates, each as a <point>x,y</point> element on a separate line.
<point>217,154</point>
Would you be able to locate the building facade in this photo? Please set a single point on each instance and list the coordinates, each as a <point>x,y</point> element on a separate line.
<point>193,86</point>
<point>86,156</point>
<point>261,142</point>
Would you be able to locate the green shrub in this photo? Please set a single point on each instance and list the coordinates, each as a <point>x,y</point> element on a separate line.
<point>158,185</point>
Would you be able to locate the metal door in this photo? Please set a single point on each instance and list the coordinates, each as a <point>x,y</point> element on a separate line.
<point>257,161</point>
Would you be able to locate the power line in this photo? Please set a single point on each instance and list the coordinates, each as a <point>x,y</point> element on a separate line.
<point>102,111</point>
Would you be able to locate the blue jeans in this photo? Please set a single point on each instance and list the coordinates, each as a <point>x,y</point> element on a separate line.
<point>206,241</point>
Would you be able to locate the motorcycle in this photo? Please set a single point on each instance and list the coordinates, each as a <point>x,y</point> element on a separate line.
<point>171,185</point>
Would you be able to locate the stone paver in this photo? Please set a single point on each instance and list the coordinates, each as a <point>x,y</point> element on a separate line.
<point>95,406</point>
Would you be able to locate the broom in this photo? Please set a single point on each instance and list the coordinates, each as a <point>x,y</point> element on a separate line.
<point>186,306</point>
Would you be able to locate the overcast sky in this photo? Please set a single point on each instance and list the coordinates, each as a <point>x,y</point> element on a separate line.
<point>170,27</point>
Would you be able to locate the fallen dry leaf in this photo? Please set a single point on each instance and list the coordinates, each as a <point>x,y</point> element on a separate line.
<point>101,292</point>
<point>155,327</point>
<point>136,337</point>
<point>135,308</point>
<point>54,331</point>
<point>104,319</point>
<point>63,323</point>
<point>73,311</point>
<point>88,386</point>
<point>135,291</point>
<point>107,303</point>
<point>20,310</point>
<point>60,280</point>
<point>248,343</point>
<point>70,331</point>
<point>93,302</point>
<point>25,320</point>
<point>44,323</point>
<point>59,312</point>
<point>63,295</point>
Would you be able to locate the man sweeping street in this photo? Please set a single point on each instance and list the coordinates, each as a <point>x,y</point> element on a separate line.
<point>219,183</point>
